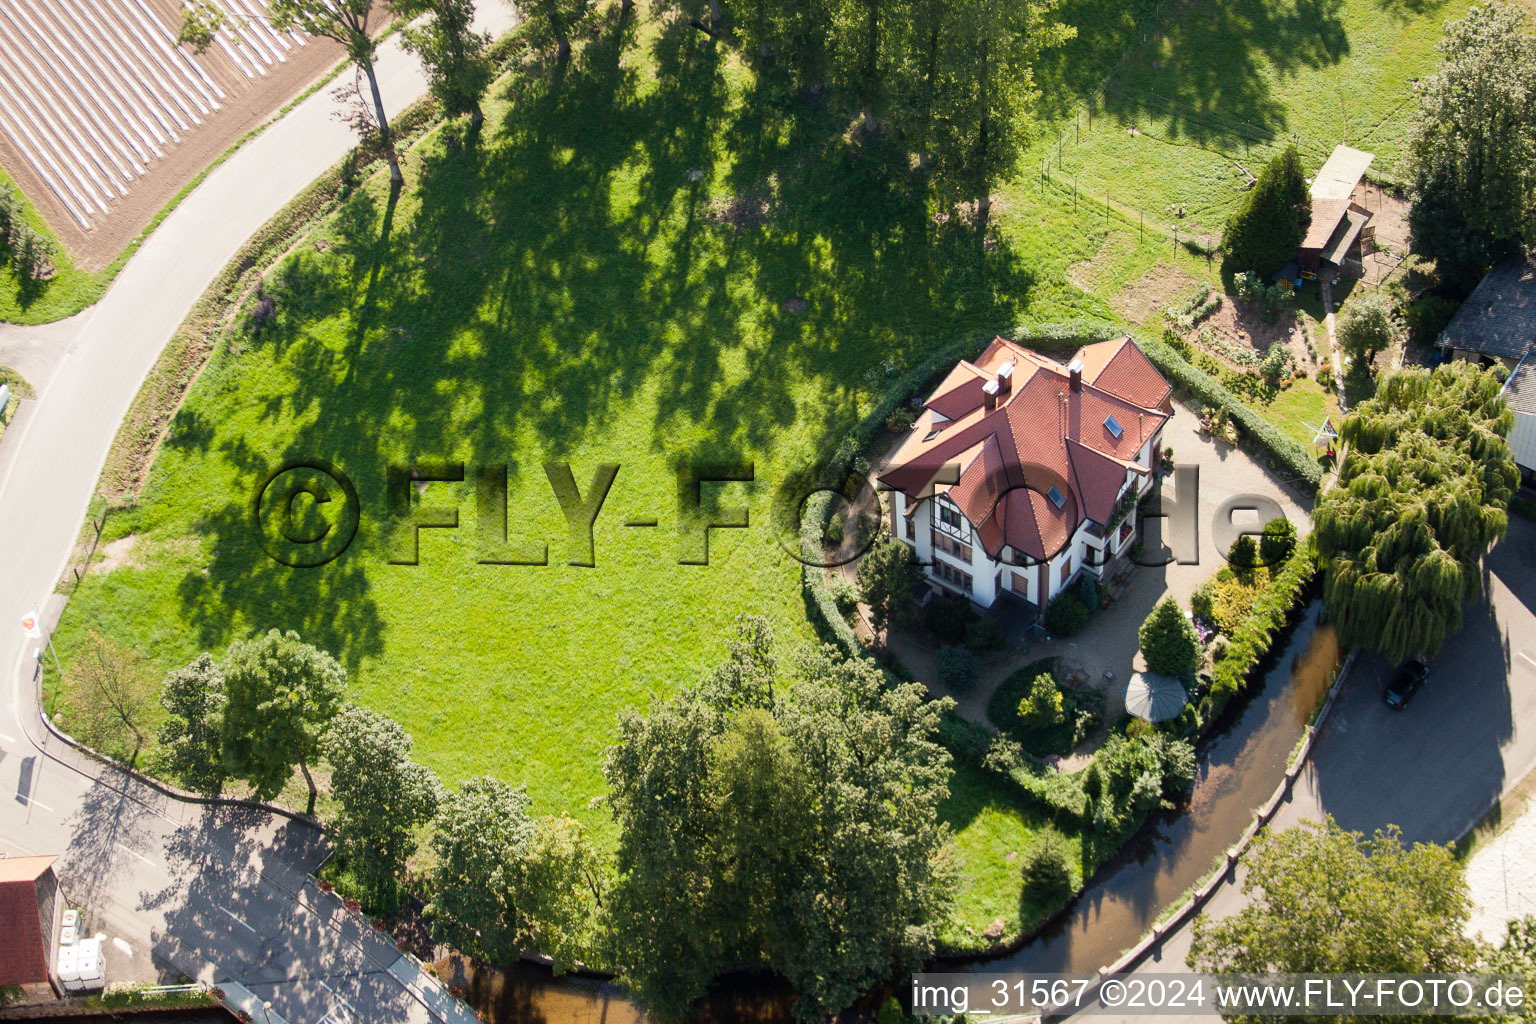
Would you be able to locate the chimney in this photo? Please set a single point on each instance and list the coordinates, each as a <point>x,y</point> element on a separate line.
<point>1005,378</point>
<point>989,390</point>
<point>1075,372</point>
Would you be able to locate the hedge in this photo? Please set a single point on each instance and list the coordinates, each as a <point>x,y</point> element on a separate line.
<point>1255,633</point>
<point>1190,380</point>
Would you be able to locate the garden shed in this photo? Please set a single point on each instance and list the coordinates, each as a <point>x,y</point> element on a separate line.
<point>1338,222</point>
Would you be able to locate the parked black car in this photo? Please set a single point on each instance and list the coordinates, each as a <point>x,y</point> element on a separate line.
<point>1405,684</point>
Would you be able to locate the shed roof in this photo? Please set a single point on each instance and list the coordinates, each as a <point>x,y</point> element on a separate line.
<point>1340,174</point>
<point>1499,317</point>
<point>1326,214</point>
<point>1338,245</point>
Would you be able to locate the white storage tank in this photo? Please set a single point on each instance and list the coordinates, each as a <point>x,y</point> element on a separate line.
<point>90,965</point>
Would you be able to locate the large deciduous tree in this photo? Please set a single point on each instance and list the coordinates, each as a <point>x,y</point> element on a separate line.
<point>1326,900</point>
<point>481,835</point>
<point>1269,225</point>
<point>452,52</point>
<point>982,117</point>
<point>1368,326</point>
<point>1474,145</point>
<point>383,796</point>
<point>1421,497</point>
<point>791,827</point>
<point>281,696</point>
<point>344,21</point>
<point>112,692</point>
<point>193,699</point>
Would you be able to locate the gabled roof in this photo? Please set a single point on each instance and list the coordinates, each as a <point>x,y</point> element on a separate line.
<point>23,946</point>
<point>1123,369</point>
<point>1041,433</point>
<point>1520,390</point>
<point>1499,317</point>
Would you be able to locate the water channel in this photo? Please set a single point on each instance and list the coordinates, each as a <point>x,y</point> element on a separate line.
<point>1240,766</point>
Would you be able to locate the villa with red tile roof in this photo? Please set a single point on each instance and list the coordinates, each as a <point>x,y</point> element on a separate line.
<point>1021,473</point>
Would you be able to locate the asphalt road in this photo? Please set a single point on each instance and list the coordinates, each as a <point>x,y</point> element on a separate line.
<point>217,895</point>
<point>1434,768</point>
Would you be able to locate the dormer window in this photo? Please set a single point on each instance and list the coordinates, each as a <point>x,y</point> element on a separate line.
<point>1113,426</point>
<point>1057,498</point>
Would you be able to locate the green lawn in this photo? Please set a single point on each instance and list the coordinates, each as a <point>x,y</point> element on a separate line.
<point>608,278</point>
<point>1229,85</point>
<point>1299,410</point>
<point>569,293</point>
<point>67,292</point>
<point>992,829</point>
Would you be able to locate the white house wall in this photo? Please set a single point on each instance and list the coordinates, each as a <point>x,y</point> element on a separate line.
<point>1522,441</point>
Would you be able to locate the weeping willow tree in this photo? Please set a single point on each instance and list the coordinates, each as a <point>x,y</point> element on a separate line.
<point>1421,498</point>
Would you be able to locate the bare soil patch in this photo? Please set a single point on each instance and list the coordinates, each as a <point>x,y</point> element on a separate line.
<point>117,554</point>
<point>1143,299</point>
<point>1244,328</point>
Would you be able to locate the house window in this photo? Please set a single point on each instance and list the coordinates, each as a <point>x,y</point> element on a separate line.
<point>1057,498</point>
<point>950,516</point>
<point>1125,531</point>
<point>949,546</point>
<point>1113,426</point>
<point>1066,569</point>
<point>908,528</point>
<point>949,574</point>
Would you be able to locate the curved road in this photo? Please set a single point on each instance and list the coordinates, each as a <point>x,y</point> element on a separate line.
<point>221,894</point>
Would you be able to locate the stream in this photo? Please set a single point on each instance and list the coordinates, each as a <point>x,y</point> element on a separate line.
<point>1240,766</point>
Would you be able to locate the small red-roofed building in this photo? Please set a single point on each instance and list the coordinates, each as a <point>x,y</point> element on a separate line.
<point>1022,473</point>
<point>29,916</point>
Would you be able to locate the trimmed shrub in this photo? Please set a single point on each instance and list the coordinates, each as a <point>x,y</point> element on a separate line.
<point>1081,710</point>
<point>1046,868</point>
<point>1251,638</point>
<point>1041,706</point>
<point>1066,615</point>
<point>1203,601</point>
<point>1168,641</point>
<point>985,634</point>
<point>1244,553</point>
<point>1278,541</point>
<point>949,618</point>
<point>845,594</point>
<point>956,669</point>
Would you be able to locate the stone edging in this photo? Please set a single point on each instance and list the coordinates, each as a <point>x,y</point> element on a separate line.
<point>166,788</point>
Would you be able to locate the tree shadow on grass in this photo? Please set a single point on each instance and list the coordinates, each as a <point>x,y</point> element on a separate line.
<point>541,281</point>
<point>1217,86</point>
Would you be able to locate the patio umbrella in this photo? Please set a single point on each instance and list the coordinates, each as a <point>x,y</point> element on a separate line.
<point>1154,697</point>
